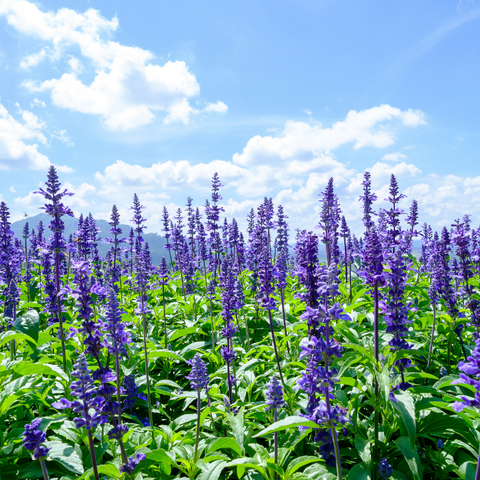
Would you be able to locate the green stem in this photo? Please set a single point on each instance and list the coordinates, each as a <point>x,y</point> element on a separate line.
<point>199,406</point>
<point>92,454</point>
<point>44,468</point>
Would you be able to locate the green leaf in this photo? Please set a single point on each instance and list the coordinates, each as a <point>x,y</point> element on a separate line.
<point>6,337</point>
<point>65,455</point>
<point>183,332</point>
<point>164,354</point>
<point>363,447</point>
<point>359,472</point>
<point>285,424</point>
<point>406,409</point>
<point>213,470</point>
<point>411,456</point>
<point>109,469</point>
<point>28,368</point>
<point>238,427</point>
<point>28,324</point>
<point>300,462</point>
<point>168,383</point>
<point>384,382</point>
<point>227,442</point>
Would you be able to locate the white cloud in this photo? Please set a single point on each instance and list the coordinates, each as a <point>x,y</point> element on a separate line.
<point>78,202</point>
<point>218,107</point>
<point>12,189</point>
<point>64,169</point>
<point>302,141</point>
<point>128,89</point>
<point>394,157</point>
<point>63,137</point>
<point>37,103</point>
<point>16,149</point>
<point>34,59</point>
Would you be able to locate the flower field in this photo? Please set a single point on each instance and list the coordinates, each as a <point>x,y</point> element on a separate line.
<point>263,354</point>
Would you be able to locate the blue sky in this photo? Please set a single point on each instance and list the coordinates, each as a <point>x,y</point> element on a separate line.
<point>154,97</point>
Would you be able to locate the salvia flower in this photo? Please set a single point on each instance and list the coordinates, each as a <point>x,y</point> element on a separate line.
<point>274,394</point>
<point>440,444</point>
<point>471,376</point>
<point>33,438</point>
<point>89,403</point>
<point>198,376</point>
<point>385,469</point>
<point>132,463</point>
<point>130,389</point>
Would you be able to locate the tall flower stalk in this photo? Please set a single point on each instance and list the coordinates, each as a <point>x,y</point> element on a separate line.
<point>33,438</point>
<point>88,406</point>
<point>198,381</point>
<point>275,401</point>
<point>56,209</point>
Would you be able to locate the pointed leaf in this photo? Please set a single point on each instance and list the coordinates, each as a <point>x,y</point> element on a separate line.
<point>411,456</point>
<point>285,424</point>
<point>66,455</point>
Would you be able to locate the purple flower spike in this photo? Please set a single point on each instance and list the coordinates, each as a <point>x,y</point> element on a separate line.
<point>33,438</point>
<point>198,376</point>
<point>132,463</point>
<point>89,403</point>
<point>274,394</point>
<point>384,468</point>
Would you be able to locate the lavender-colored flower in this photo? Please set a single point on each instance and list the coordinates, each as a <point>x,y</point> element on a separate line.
<point>33,438</point>
<point>9,262</point>
<point>373,259</point>
<point>306,250</point>
<point>89,403</point>
<point>329,222</point>
<point>117,432</point>
<point>274,394</point>
<point>367,198</point>
<point>384,468</point>
<point>138,219</point>
<point>132,463</point>
<point>55,208</point>
<point>116,338</point>
<point>82,293</point>
<point>131,393</point>
<point>198,376</point>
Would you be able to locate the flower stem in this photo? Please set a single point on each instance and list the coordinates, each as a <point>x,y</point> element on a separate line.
<point>44,468</point>
<point>376,351</point>
<point>431,340</point>
<point>59,304</point>
<point>150,416</point>
<point>92,454</point>
<point>199,407</point>
<point>275,345</point>
<point>284,319</point>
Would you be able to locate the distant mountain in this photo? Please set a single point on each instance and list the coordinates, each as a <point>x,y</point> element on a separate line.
<point>155,241</point>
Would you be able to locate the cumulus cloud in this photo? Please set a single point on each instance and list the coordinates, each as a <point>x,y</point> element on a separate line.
<point>17,149</point>
<point>34,59</point>
<point>304,153</point>
<point>37,103</point>
<point>394,157</point>
<point>128,89</point>
<point>79,202</point>
<point>218,107</point>
<point>305,141</point>
<point>63,137</point>
<point>19,142</point>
